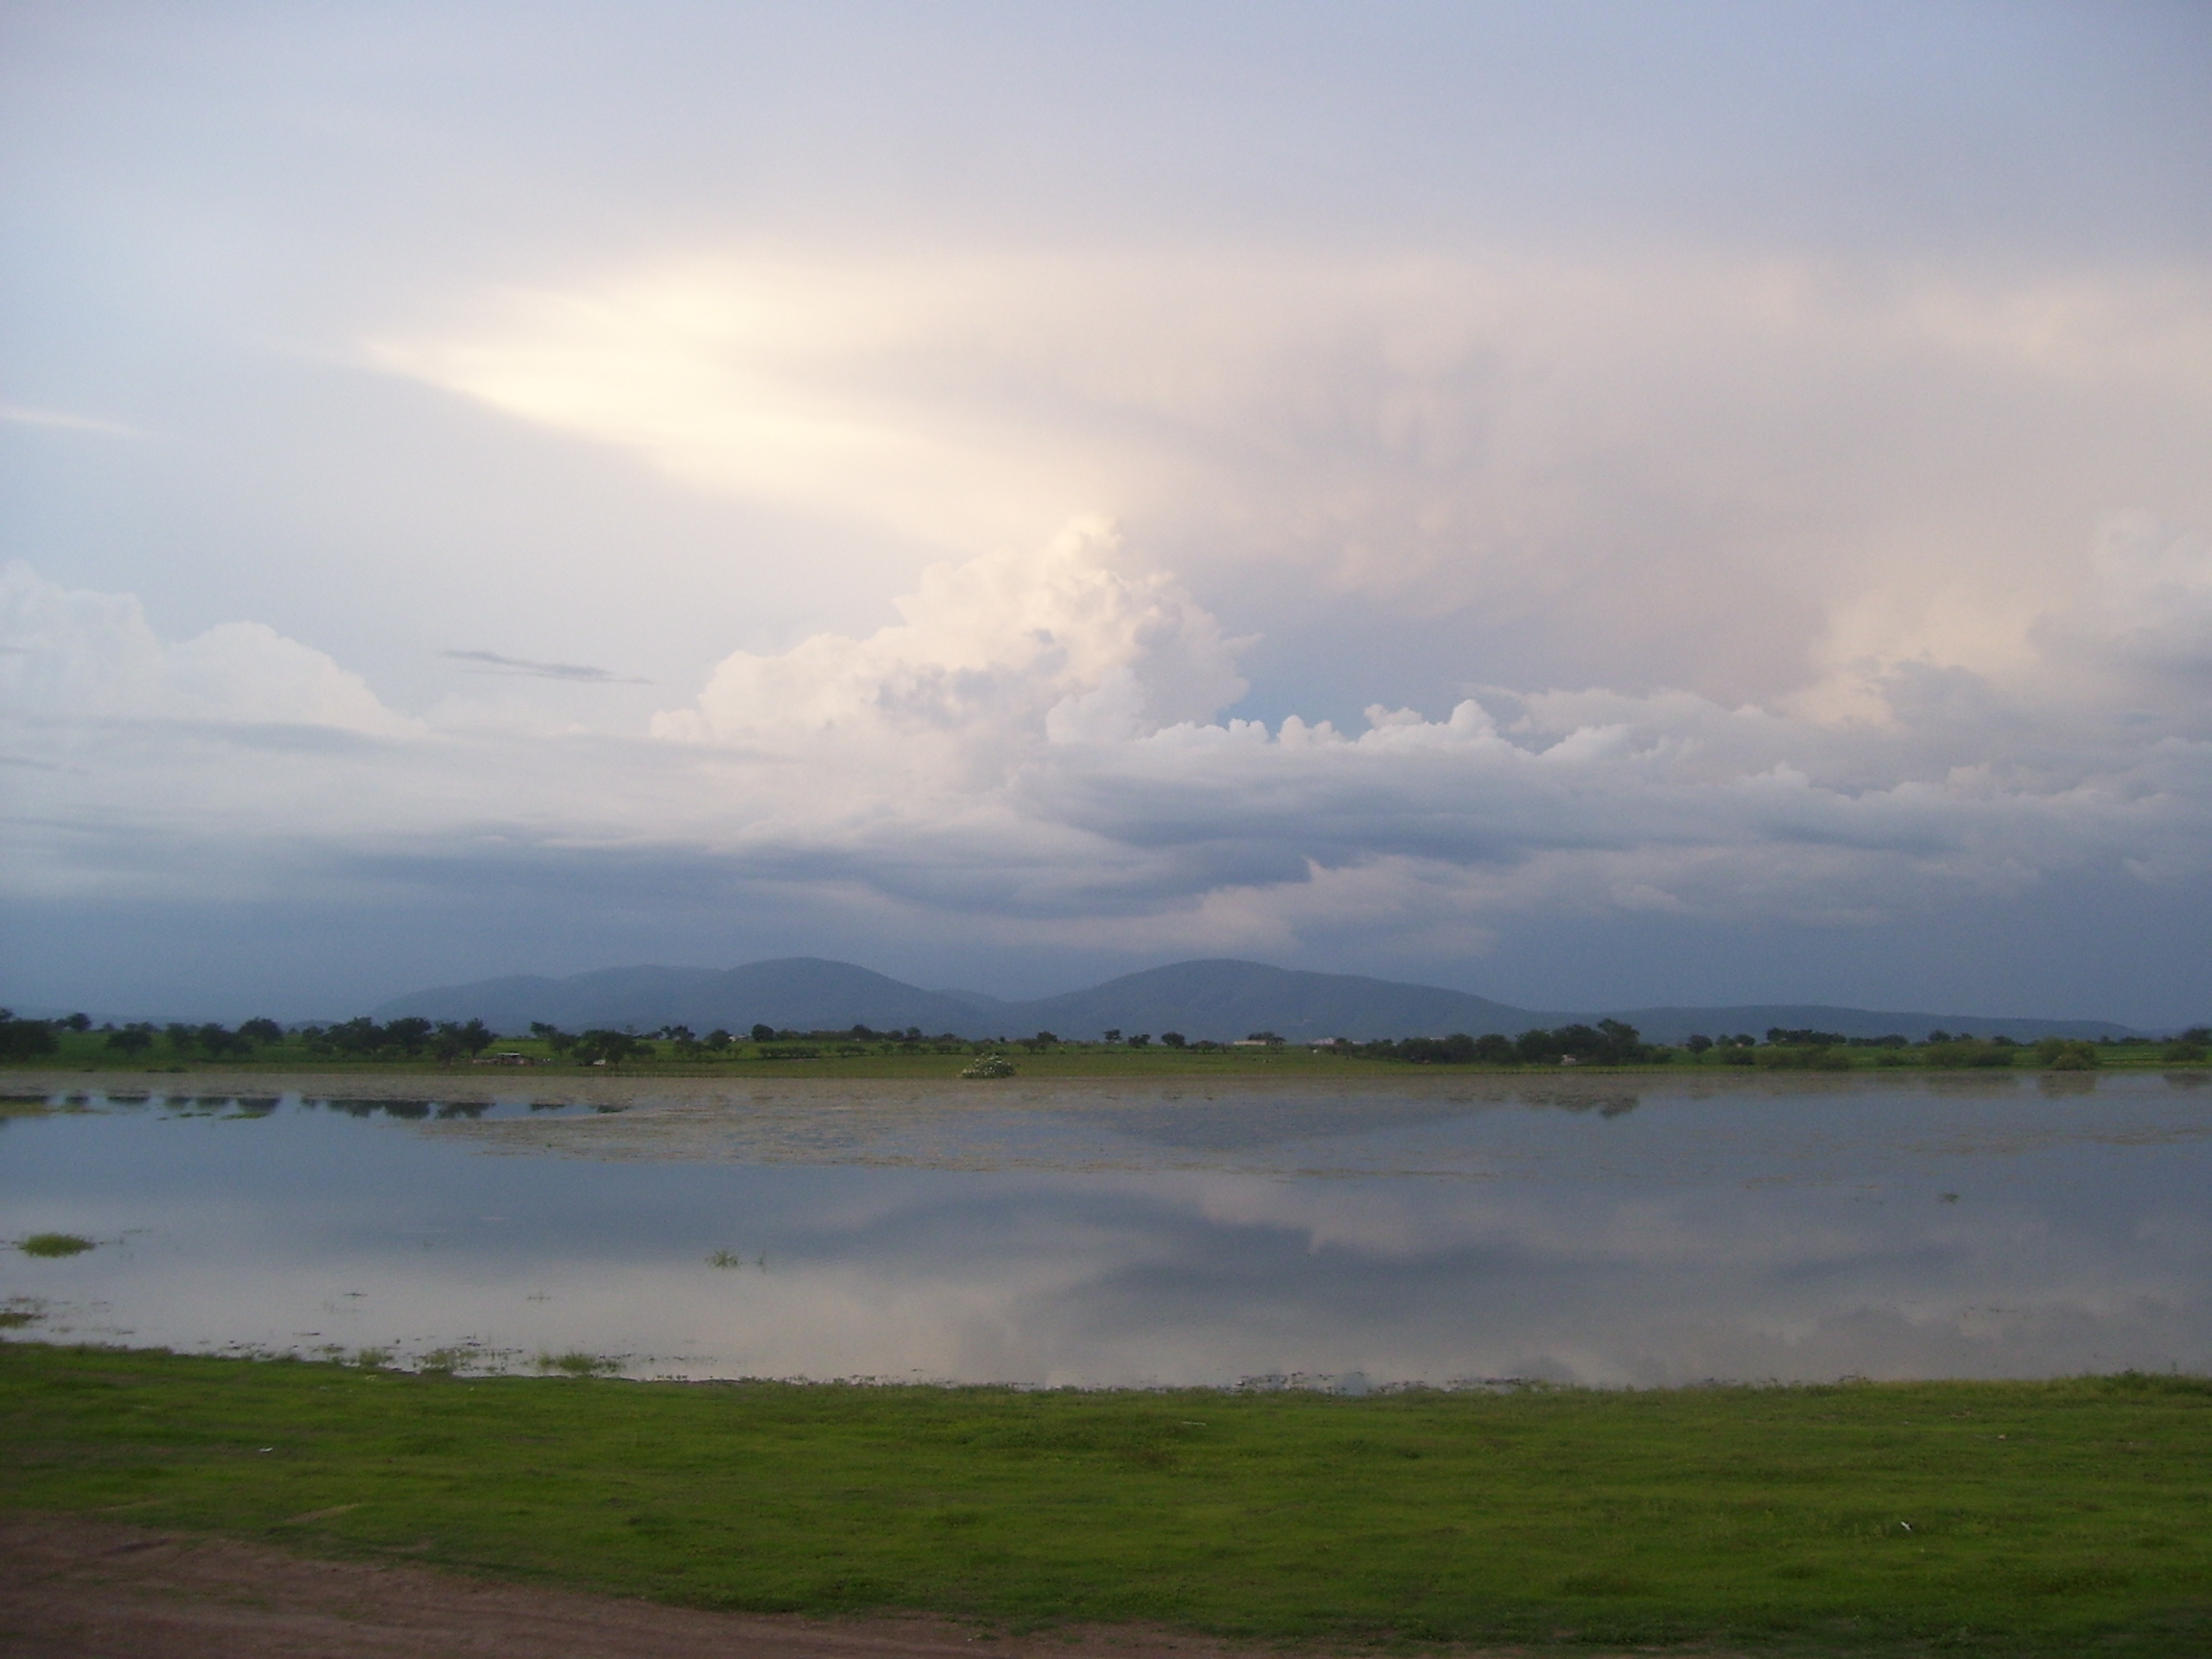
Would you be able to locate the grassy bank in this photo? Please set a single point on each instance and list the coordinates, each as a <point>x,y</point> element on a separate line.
<point>2015,1518</point>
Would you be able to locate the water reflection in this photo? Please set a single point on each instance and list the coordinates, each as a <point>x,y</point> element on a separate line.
<point>1445,1230</point>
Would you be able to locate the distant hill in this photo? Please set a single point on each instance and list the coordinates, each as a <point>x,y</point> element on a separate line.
<point>1226,1000</point>
<point>1220,1000</point>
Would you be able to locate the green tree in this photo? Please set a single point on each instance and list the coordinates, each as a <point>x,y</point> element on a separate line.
<point>26,1039</point>
<point>450,1039</point>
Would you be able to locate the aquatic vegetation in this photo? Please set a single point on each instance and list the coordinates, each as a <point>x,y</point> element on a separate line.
<point>578,1364</point>
<point>54,1245</point>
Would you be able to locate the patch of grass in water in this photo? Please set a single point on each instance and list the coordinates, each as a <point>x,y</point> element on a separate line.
<point>578,1364</point>
<point>55,1244</point>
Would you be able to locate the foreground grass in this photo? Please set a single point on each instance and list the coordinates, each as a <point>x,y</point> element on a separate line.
<point>2013,1518</point>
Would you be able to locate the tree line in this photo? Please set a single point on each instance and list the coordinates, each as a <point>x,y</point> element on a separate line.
<point>1606,1043</point>
<point>1611,1043</point>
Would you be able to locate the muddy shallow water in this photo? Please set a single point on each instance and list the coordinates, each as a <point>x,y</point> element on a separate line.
<point>1628,1229</point>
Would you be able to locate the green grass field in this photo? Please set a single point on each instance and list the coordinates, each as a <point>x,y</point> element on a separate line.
<point>2001,1518</point>
<point>86,1052</point>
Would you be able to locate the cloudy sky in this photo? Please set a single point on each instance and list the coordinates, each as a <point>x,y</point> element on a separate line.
<point>1590,503</point>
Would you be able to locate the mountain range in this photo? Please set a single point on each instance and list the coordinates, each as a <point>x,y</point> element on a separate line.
<point>1220,1000</point>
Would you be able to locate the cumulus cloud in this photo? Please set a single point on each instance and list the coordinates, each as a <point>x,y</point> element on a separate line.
<point>1040,749</point>
<point>76,656</point>
<point>994,656</point>
<point>2152,595</point>
<point>1734,474</point>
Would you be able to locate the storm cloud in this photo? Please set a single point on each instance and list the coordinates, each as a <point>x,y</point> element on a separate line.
<point>1722,516</point>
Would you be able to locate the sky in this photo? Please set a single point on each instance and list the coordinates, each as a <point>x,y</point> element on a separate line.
<point>1593,504</point>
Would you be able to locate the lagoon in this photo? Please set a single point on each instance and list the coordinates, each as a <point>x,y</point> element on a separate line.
<point>1464,1229</point>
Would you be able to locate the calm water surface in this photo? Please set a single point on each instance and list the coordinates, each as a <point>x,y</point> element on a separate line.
<point>1624,1230</point>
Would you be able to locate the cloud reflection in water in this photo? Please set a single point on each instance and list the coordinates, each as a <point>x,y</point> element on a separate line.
<point>1440,1231</point>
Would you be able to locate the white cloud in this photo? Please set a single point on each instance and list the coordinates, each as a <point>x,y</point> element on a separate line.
<point>1036,752</point>
<point>1723,471</point>
<point>2153,594</point>
<point>67,655</point>
<point>996,657</point>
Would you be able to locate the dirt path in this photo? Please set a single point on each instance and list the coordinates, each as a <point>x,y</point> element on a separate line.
<point>88,1588</point>
<point>72,1588</point>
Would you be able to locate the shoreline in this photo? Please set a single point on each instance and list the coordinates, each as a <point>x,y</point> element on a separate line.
<point>54,1089</point>
<point>1110,1068</point>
